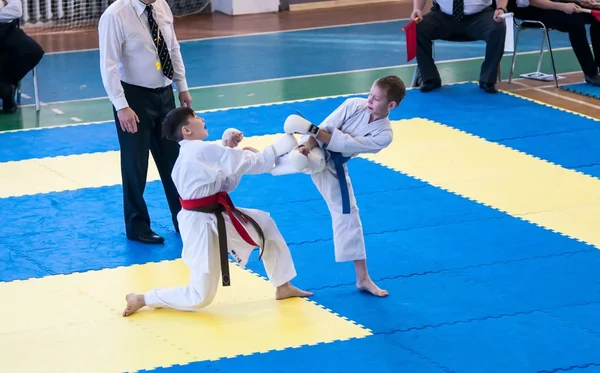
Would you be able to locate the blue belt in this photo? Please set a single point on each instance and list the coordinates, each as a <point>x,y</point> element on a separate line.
<point>339,160</point>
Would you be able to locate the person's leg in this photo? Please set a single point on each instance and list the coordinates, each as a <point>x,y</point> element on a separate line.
<point>22,55</point>
<point>482,26</point>
<point>134,152</point>
<point>165,153</point>
<point>575,25</point>
<point>348,237</point>
<point>203,285</point>
<point>25,54</point>
<point>276,257</point>
<point>434,26</point>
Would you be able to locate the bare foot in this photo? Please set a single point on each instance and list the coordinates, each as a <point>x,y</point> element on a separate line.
<point>288,290</point>
<point>134,303</point>
<point>369,286</point>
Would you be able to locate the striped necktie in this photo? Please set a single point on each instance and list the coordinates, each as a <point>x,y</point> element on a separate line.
<point>161,45</point>
<point>458,9</point>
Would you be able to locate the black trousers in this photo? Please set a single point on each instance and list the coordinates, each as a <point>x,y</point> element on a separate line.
<point>19,54</point>
<point>437,25</point>
<point>574,24</point>
<point>151,106</point>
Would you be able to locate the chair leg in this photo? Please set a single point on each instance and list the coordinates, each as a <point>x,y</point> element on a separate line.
<point>514,59</point>
<point>551,58</point>
<point>19,93</point>
<point>36,90</point>
<point>541,56</point>
<point>499,78</point>
<point>415,78</point>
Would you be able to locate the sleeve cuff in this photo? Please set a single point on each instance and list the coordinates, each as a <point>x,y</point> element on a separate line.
<point>120,103</point>
<point>181,85</point>
<point>334,143</point>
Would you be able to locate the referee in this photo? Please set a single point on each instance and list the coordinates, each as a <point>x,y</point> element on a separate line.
<point>139,60</point>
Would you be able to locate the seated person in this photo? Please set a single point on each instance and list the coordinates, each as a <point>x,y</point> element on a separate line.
<point>19,53</point>
<point>477,20</point>
<point>565,17</point>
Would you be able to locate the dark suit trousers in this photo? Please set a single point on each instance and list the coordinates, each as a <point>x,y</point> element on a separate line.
<point>437,25</point>
<point>574,24</point>
<point>151,106</point>
<point>19,54</point>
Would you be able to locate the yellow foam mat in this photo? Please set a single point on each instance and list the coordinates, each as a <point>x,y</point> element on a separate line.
<point>511,181</point>
<point>73,323</point>
<point>57,174</point>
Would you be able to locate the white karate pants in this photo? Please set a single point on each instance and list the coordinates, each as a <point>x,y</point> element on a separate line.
<point>202,288</point>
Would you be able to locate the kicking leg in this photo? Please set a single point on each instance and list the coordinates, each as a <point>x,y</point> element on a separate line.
<point>286,164</point>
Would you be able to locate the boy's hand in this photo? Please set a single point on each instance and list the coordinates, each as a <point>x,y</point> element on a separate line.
<point>251,149</point>
<point>302,149</point>
<point>234,139</point>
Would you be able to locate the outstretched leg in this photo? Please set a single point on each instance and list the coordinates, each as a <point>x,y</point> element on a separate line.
<point>284,165</point>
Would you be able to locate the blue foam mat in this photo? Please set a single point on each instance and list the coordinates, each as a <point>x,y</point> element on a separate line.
<point>530,342</point>
<point>583,89</point>
<point>547,282</point>
<point>472,289</point>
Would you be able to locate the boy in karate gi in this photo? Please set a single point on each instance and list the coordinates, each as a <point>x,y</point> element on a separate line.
<point>210,225</point>
<point>357,126</point>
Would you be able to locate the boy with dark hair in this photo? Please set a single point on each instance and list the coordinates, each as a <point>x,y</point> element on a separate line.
<point>209,222</point>
<point>359,125</point>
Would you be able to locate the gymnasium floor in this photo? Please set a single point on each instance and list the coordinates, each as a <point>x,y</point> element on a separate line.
<point>479,220</point>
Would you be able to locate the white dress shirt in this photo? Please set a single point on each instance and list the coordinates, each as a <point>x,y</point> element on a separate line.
<point>11,11</point>
<point>128,53</point>
<point>471,6</point>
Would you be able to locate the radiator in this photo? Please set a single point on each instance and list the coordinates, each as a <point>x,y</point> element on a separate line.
<point>73,13</point>
<point>84,13</point>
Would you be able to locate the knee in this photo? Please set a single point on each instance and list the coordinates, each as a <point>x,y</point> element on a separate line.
<point>496,32</point>
<point>30,49</point>
<point>499,28</point>
<point>201,298</point>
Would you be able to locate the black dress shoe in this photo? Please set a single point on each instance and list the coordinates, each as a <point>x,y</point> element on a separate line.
<point>430,86</point>
<point>593,80</point>
<point>488,87</point>
<point>148,237</point>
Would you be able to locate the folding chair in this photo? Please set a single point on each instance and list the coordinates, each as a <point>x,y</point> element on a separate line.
<point>537,75</point>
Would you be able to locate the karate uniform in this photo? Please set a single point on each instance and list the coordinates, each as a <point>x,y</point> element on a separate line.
<point>351,135</point>
<point>202,170</point>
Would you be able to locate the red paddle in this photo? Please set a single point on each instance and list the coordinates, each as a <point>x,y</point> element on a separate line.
<point>410,29</point>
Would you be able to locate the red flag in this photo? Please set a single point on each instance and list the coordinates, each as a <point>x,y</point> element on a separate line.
<point>410,29</point>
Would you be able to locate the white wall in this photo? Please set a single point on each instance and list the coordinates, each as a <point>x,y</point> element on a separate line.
<point>237,7</point>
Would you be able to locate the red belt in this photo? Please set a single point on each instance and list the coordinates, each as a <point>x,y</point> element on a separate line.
<point>217,204</point>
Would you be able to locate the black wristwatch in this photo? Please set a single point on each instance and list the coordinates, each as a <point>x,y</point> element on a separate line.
<point>502,9</point>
